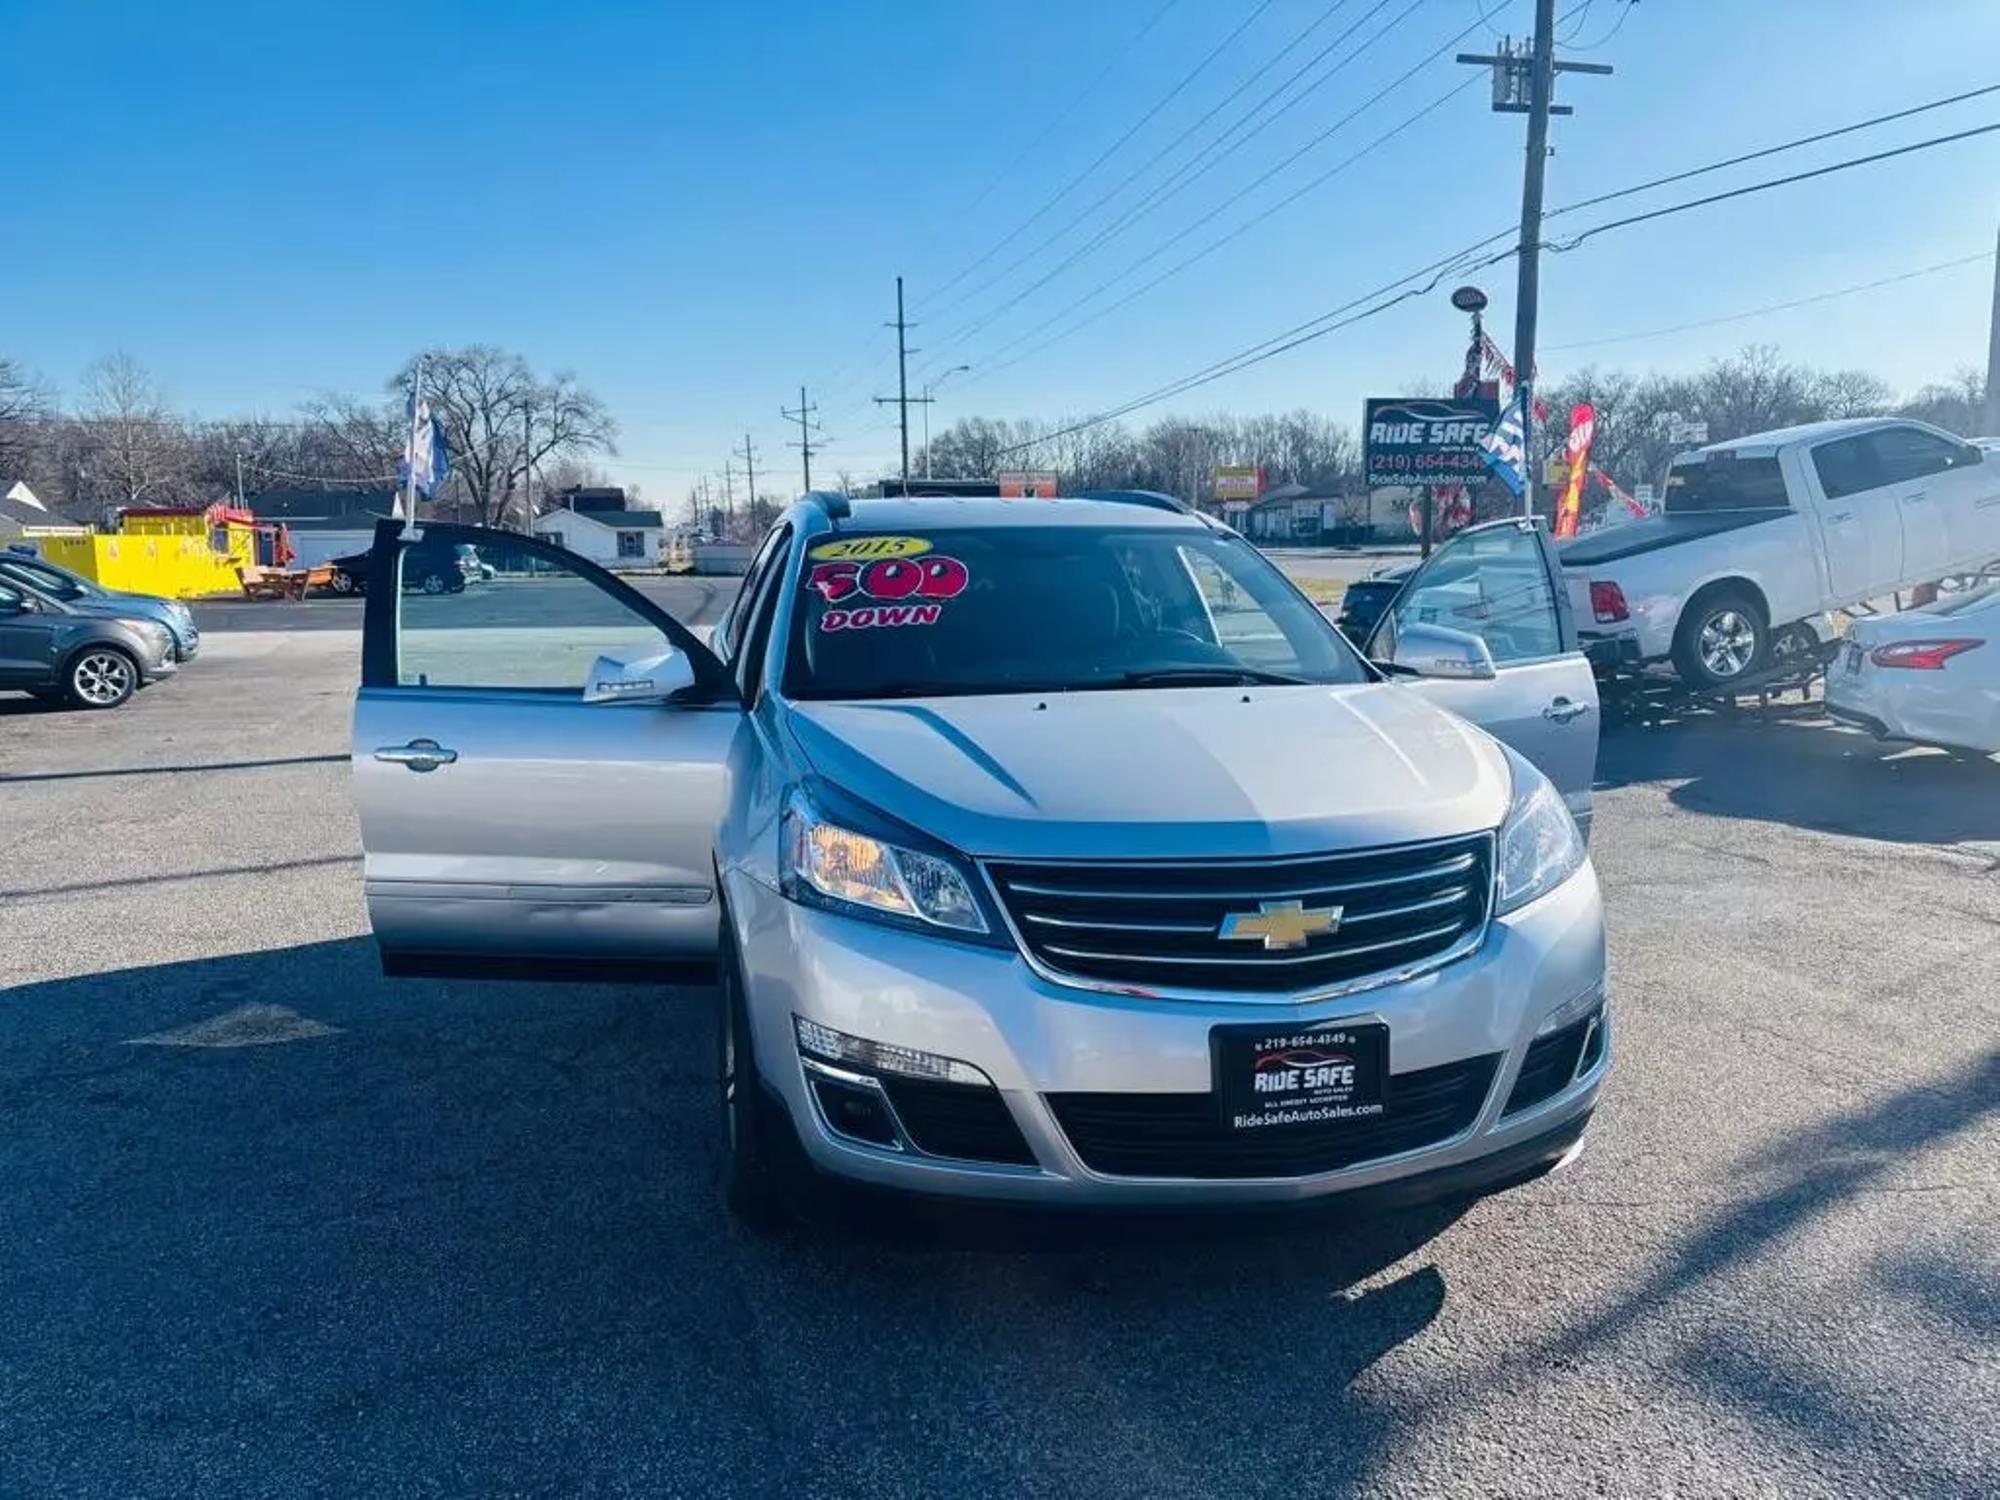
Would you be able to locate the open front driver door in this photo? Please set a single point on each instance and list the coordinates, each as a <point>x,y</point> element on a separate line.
<point>540,759</point>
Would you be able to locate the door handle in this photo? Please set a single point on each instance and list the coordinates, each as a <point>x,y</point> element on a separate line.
<point>418,755</point>
<point>1562,710</point>
<point>1841,515</point>
<point>1915,495</point>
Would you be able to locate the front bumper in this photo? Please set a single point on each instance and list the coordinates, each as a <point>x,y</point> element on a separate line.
<point>1040,1041</point>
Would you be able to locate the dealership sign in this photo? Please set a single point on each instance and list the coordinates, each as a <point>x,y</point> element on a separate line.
<point>1426,440</point>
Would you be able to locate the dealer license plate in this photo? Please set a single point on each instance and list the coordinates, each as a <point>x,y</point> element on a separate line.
<point>1270,1078</point>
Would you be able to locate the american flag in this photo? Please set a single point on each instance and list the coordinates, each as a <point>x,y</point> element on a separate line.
<point>1503,449</point>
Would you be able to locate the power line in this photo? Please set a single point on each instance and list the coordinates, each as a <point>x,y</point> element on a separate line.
<point>1109,151</point>
<point>1757,187</point>
<point>1615,27</point>
<point>988,367</point>
<point>1063,114</point>
<point>1195,168</point>
<point>1168,149</point>
<point>1774,307</point>
<point>1307,332</point>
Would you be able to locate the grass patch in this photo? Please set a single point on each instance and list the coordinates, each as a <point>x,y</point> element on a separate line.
<point>1319,590</point>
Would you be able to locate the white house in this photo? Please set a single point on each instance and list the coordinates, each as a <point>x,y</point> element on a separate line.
<point>595,523</point>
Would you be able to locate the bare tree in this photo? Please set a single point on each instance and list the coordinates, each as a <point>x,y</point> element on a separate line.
<point>24,404</point>
<point>504,423</point>
<point>138,451</point>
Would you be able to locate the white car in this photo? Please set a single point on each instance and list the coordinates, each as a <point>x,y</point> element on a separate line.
<point>1931,675</point>
<point>1762,536</point>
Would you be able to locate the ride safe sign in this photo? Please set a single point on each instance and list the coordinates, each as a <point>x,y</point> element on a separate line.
<point>1425,440</point>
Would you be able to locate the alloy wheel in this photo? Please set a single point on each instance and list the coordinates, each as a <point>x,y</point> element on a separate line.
<point>1727,643</point>
<point>102,677</point>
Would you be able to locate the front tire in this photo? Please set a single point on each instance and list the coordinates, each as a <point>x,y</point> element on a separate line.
<point>343,582</point>
<point>100,677</point>
<point>434,583</point>
<point>1721,639</point>
<point>752,1184</point>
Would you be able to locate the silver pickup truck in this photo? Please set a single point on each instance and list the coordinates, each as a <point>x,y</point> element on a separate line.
<point>1760,537</point>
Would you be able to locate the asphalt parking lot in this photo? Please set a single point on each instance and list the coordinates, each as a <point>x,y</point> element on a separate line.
<point>456,1238</point>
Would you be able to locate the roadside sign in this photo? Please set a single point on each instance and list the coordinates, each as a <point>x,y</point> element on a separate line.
<point>1425,440</point>
<point>1028,484</point>
<point>1238,482</point>
<point>1695,433</point>
<point>1643,493</point>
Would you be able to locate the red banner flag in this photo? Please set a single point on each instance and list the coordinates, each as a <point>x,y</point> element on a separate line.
<point>1582,427</point>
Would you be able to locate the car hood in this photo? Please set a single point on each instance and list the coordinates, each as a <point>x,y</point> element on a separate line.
<point>124,607</point>
<point>1167,772</point>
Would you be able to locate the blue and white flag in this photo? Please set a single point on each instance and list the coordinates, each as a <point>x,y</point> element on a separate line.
<point>1505,449</point>
<point>426,455</point>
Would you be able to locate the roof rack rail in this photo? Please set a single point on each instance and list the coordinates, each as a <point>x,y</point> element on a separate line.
<point>1152,499</point>
<point>834,502</point>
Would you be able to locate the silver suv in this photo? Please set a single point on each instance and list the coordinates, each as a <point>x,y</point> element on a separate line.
<point>1058,852</point>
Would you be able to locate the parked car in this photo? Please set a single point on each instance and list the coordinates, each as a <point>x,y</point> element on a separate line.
<point>1762,536</point>
<point>88,597</point>
<point>1364,601</point>
<point>1028,841</point>
<point>1931,675</point>
<point>55,650</point>
<point>440,569</point>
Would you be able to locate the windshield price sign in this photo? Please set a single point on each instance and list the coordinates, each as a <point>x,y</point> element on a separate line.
<point>1426,440</point>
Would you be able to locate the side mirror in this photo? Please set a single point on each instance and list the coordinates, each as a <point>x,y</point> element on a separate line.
<point>1439,651</point>
<point>16,605</point>
<point>638,674</point>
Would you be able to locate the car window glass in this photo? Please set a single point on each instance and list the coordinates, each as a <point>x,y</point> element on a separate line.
<point>758,610</point>
<point>1493,584</point>
<point>536,624</point>
<point>1021,608</point>
<point>51,581</point>
<point>1722,481</point>
<point>1904,453</point>
<point>729,636</point>
<point>1846,467</point>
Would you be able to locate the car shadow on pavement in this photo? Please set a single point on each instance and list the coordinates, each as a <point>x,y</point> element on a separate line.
<point>1777,1193</point>
<point>468,1237</point>
<point>1809,774</point>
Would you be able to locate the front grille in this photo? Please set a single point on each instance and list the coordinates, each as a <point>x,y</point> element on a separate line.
<point>1550,1065</point>
<point>1157,924</point>
<point>968,1122</point>
<point>1182,1135</point>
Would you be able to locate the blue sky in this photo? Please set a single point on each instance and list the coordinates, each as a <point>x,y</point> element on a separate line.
<point>698,206</point>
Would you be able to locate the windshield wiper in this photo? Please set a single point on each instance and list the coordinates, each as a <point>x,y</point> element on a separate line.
<point>1205,677</point>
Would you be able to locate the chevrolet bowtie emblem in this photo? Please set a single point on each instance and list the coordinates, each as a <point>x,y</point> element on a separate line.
<point>1281,924</point>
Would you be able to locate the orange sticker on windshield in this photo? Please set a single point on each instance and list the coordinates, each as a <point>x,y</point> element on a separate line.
<point>867,548</point>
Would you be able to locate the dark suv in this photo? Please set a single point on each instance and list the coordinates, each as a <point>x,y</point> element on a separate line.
<point>442,569</point>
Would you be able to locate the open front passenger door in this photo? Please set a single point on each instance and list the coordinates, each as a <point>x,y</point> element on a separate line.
<point>1484,629</point>
<point>540,760</point>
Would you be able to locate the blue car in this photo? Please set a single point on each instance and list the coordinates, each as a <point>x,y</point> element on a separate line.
<point>83,596</point>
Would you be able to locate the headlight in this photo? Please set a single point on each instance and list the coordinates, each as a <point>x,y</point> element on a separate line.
<point>1540,846</point>
<point>824,863</point>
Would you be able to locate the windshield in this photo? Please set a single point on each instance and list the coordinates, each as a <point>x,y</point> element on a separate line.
<point>1050,609</point>
<point>57,583</point>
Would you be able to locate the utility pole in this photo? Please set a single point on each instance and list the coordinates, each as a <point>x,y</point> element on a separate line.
<point>728,496</point>
<point>750,473</point>
<point>1991,425</point>
<point>528,468</point>
<point>807,427</point>
<point>901,399</point>
<point>1524,83</point>
<point>239,468</point>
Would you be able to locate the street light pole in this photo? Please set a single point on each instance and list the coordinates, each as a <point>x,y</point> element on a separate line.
<point>929,386</point>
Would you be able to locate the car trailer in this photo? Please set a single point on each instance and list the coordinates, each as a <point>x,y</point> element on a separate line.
<point>1652,695</point>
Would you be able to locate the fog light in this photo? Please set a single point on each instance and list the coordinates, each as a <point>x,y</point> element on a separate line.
<point>1574,1009</point>
<point>816,1040</point>
<point>854,1110</point>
